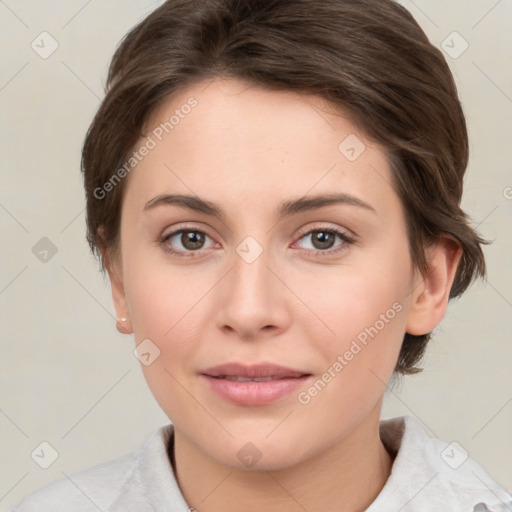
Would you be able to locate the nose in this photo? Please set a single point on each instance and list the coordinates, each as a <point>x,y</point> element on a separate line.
<point>253,300</point>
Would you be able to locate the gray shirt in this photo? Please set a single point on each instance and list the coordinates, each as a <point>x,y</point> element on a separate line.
<point>428,475</point>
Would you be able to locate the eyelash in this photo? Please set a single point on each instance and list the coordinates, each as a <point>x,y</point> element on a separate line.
<point>328,252</point>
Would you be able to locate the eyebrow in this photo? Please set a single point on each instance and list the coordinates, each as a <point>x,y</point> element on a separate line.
<point>285,209</point>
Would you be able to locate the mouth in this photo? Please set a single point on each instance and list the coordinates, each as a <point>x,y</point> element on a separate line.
<point>266,371</point>
<point>253,385</point>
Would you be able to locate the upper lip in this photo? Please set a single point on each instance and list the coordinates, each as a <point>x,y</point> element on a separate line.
<point>256,370</point>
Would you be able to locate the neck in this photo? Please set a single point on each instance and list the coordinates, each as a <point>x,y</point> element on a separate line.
<point>347,477</point>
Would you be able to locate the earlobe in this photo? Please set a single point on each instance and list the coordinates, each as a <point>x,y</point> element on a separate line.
<point>123,324</point>
<point>431,295</point>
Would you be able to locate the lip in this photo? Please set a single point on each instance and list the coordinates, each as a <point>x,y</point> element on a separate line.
<point>253,393</point>
<point>253,371</point>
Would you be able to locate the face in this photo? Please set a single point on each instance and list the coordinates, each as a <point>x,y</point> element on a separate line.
<point>323,289</point>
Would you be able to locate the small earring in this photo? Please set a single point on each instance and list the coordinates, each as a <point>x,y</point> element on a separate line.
<point>123,319</point>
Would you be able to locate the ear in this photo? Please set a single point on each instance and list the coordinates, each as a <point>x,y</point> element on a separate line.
<point>115,274</point>
<point>432,291</point>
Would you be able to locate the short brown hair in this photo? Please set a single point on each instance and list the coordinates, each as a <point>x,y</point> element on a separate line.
<point>368,57</point>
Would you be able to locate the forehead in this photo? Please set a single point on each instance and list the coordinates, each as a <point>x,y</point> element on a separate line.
<point>232,142</point>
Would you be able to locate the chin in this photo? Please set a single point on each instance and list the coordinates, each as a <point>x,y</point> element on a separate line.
<point>257,453</point>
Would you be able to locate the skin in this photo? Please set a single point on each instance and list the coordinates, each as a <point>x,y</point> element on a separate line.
<point>247,149</point>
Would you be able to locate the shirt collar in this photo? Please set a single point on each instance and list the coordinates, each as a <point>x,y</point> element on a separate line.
<point>430,474</point>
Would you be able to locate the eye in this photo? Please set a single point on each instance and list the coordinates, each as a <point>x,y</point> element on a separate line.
<point>188,241</point>
<point>324,238</point>
<point>184,242</point>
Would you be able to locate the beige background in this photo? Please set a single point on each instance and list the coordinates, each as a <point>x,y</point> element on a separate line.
<point>68,377</point>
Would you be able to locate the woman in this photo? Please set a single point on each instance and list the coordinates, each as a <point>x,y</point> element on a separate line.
<point>273,188</point>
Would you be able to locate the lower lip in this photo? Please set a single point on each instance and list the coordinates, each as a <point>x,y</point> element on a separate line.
<point>253,392</point>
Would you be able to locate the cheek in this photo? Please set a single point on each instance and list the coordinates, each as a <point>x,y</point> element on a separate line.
<point>163,311</point>
<point>151,304</point>
<point>363,312</point>
<point>366,321</point>
<point>171,314</point>
<point>163,296</point>
<point>167,306</point>
<point>347,299</point>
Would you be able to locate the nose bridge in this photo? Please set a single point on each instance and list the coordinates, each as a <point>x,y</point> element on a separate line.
<point>251,275</point>
<point>254,297</point>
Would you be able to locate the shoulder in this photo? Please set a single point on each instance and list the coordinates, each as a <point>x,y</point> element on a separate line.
<point>98,487</point>
<point>92,489</point>
<point>428,471</point>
